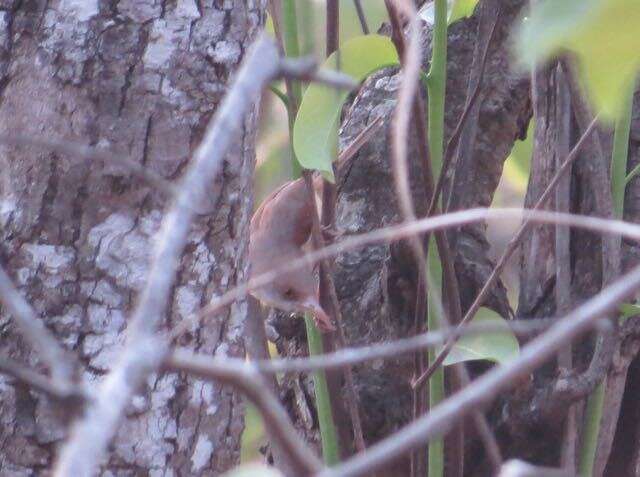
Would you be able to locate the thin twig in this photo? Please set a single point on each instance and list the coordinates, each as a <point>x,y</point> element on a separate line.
<point>472,98</point>
<point>144,350</point>
<point>401,231</point>
<point>58,360</point>
<point>328,289</point>
<point>390,350</point>
<point>484,389</point>
<point>453,311</point>
<point>256,345</point>
<point>249,381</point>
<point>328,295</point>
<point>56,389</point>
<point>305,69</point>
<point>510,248</point>
<point>563,255</point>
<point>361,16</point>
<point>410,56</point>
<point>72,148</point>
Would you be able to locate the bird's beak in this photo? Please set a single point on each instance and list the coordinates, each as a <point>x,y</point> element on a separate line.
<point>323,320</point>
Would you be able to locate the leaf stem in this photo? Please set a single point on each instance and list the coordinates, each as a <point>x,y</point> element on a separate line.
<point>436,81</point>
<point>328,432</point>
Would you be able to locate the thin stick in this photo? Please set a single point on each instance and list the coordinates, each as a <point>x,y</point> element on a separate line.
<point>328,295</point>
<point>455,136</point>
<point>563,257</point>
<point>376,351</point>
<point>248,381</point>
<point>51,387</point>
<point>511,247</point>
<point>361,16</point>
<point>330,288</point>
<point>410,53</point>
<point>72,148</point>
<point>484,389</point>
<point>398,232</point>
<point>39,337</point>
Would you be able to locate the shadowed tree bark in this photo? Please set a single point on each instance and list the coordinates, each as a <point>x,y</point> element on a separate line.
<point>376,285</point>
<point>141,79</point>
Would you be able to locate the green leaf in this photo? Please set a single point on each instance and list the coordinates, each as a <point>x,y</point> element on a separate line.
<point>499,346</point>
<point>602,35</point>
<point>315,128</point>
<point>462,9</point>
<point>628,310</point>
<point>456,10</point>
<point>254,470</point>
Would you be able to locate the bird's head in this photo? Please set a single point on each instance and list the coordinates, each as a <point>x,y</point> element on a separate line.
<point>295,291</point>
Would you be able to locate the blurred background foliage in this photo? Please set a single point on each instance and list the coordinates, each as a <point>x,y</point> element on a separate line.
<point>274,162</point>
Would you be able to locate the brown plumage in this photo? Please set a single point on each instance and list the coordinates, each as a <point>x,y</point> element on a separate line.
<point>280,229</point>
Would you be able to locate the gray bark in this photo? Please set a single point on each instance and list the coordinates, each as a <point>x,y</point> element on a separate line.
<point>141,79</point>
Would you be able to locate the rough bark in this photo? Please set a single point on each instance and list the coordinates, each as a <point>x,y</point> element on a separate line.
<point>376,284</point>
<point>589,270</point>
<point>142,79</point>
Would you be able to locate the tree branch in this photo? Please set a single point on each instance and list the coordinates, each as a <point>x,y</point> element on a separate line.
<point>485,388</point>
<point>57,359</point>
<point>398,232</point>
<point>249,381</point>
<point>56,389</point>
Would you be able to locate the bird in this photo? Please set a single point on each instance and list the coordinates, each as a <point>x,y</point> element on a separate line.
<point>280,230</point>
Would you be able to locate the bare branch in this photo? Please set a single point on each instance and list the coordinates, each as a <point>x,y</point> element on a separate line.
<point>245,377</point>
<point>356,355</point>
<point>32,328</point>
<point>361,17</point>
<point>482,391</point>
<point>71,148</point>
<point>306,69</point>
<point>472,98</point>
<point>511,247</point>
<point>144,350</point>
<point>397,232</point>
<point>56,389</point>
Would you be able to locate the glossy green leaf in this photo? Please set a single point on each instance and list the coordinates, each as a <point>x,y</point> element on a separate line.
<point>315,128</point>
<point>499,346</point>
<point>457,9</point>
<point>601,34</point>
<point>254,470</point>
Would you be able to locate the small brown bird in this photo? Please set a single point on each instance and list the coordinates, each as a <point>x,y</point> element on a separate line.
<point>280,230</point>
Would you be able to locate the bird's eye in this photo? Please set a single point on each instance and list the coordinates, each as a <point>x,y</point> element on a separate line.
<point>290,293</point>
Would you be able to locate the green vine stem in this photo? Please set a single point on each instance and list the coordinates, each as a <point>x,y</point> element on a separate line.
<point>595,402</point>
<point>436,81</point>
<point>328,432</point>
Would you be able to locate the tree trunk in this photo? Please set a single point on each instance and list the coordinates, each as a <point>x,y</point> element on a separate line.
<point>141,79</point>
<point>376,284</point>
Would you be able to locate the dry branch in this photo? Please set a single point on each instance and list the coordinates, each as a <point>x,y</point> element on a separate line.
<point>33,329</point>
<point>482,391</point>
<point>248,380</point>
<point>398,232</point>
